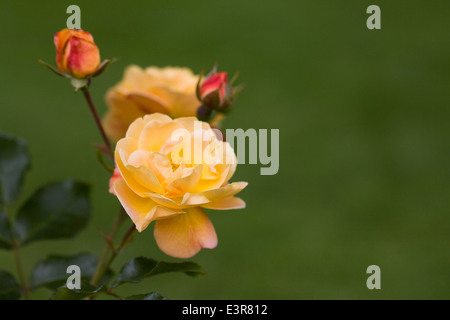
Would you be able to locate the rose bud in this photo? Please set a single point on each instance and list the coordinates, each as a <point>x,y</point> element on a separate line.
<point>215,92</point>
<point>213,89</point>
<point>76,53</point>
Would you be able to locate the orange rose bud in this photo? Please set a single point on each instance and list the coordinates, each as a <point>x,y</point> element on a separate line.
<point>76,53</point>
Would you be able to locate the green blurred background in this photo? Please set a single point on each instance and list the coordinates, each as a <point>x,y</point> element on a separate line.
<point>364,138</point>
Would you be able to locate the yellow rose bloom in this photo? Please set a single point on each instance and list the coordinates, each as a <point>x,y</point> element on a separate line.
<point>169,90</point>
<point>170,170</point>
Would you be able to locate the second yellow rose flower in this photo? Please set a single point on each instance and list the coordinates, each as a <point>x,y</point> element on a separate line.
<point>169,90</point>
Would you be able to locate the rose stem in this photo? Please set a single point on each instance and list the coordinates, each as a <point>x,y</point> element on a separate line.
<point>23,283</point>
<point>115,295</point>
<point>99,270</point>
<point>122,243</point>
<point>89,101</point>
<point>103,266</point>
<point>16,247</point>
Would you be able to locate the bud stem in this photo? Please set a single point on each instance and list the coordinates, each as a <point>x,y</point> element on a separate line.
<point>89,101</point>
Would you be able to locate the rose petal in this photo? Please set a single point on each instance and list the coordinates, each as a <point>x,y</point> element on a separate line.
<point>122,112</point>
<point>140,179</point>
<point>213,83</point>
<point>188,182</point>
<point>185,234</point>
<point>173,203</point>
<point>192,123</point>
<point>174,78</point>
<point>160,165</point>
<point>81,57</point>
<point>139,158</point>
<point>115,126</point>
<point>189,200</point>
<point>134,78</point>
<point>60,39</point>
<point>198,199</point>
<point>147,102</point>
<point>210,184</point>
<point>156,133</point>
<point>142,211</point>
<point>183,104</point>
<point>226,204</point>
<point>135,129</point>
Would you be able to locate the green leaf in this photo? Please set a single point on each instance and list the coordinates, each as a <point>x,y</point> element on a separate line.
<point>56,211</point>
<point>5,232</point>
<point>137,269</point>
<point>9,288</point>
<point>102,67</point>
<point>52,272</point>
<point>58,72</point>
<point>14,162</point>
<point>147,296</point>
<point>64,293</point>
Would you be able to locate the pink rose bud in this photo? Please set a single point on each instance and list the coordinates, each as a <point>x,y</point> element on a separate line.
<point>215,84</point>
<point>215,92</point>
